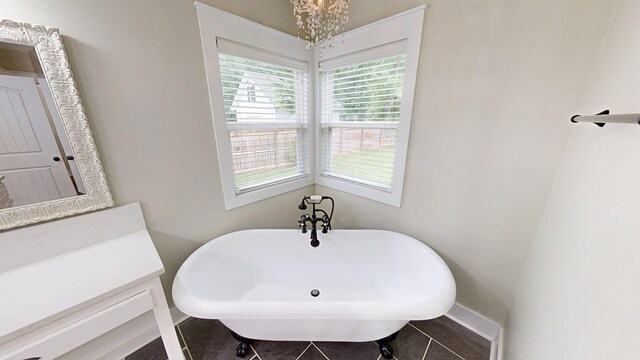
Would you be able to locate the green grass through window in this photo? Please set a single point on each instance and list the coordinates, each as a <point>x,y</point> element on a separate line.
<point>370,165</point>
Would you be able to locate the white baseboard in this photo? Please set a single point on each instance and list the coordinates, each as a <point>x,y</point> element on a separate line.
<point>480,325</point>
<point>177,316</point>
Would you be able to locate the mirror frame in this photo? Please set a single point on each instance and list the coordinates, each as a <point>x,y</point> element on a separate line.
<point>55,65</point>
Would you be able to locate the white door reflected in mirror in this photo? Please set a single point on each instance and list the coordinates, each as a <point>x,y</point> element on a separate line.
<point>36,162</point>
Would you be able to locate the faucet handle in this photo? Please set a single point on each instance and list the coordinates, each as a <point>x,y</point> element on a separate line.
<point>326,225</point>
<point>302,223</point>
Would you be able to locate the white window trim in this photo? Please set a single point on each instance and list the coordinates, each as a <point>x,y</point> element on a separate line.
<point>405,30</point>
<point>229,29</point>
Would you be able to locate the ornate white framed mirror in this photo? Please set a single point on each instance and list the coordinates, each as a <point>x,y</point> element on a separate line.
<point>49,164</point>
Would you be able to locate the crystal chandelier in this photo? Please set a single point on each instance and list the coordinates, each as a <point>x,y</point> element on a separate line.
<point>320,22</point>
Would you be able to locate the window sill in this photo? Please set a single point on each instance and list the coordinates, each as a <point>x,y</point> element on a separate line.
<point>389,197</point>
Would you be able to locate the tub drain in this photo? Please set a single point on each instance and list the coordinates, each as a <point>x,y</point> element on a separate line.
<point>315,292</point>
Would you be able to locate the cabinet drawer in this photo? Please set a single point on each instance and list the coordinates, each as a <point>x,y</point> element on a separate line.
<point>68,337</point>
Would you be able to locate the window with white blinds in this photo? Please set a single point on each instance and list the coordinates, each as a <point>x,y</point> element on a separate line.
<point>264,86</point>
<point>267,116</point>
<point>360,114</point>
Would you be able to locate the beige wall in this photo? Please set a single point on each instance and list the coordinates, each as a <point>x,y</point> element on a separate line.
<point>497,82</point>
<point>579,293</point>
<point>140,71</point>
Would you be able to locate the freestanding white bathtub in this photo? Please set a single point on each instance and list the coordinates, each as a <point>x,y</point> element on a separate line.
<point>259,283</point>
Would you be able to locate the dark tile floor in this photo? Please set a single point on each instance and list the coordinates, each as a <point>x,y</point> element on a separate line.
<point>437,339</point>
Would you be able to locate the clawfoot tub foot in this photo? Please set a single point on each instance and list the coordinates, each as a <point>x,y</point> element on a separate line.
<point>244,347</point>
<point>385,348</point>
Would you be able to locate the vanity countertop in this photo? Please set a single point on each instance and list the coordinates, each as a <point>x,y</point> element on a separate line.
<point>52,288</point>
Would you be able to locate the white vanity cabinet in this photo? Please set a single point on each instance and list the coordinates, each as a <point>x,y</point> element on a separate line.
<point>67,283</point>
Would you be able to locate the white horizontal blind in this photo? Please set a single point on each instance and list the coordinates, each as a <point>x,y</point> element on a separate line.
<point>267,115</point>
<point>360,113</point>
